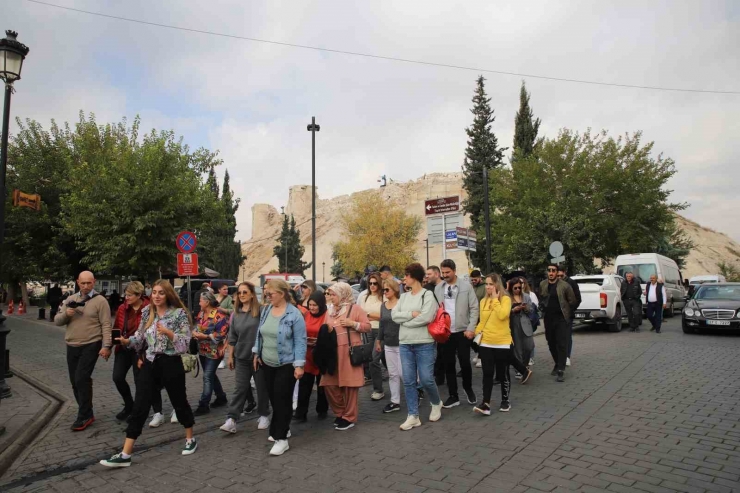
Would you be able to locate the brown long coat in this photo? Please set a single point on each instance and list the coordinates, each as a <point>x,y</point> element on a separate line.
<point>346,374</point>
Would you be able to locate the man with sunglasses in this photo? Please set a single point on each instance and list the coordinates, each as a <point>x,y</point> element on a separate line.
<point>563,274</point>
<point>462,305</point>
<point>558,303</point>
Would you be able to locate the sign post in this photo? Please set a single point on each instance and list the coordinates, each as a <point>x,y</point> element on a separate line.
<point>556,250</point>
<point>187,261</point>
<point>444,206</point>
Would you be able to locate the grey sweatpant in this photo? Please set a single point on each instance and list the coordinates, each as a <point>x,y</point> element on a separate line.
<point>243,390</point>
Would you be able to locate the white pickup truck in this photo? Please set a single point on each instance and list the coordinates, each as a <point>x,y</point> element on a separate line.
<point>601,300</point>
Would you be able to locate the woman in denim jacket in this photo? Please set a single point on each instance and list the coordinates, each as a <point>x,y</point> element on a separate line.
<point>280,353</point>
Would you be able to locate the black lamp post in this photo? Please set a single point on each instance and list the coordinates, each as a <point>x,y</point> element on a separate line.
<point>313,128</point>
<point>282,208</point>
<point>12,54</point>
<point>323,268</point>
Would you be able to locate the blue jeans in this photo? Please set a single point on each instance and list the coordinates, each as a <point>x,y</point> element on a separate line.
<point>417,360</point>
<point>211,383</point>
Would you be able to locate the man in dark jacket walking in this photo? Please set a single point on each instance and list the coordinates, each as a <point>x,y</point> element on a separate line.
<point>632,301</point>
<point>558,303</point>
<point>563,274</point>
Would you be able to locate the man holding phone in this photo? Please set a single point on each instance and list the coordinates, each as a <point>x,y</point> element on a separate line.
<point>88,336</point>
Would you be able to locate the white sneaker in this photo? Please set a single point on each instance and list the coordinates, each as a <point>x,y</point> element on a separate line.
<point>173,418</point>
<point>229,426</point>
<point>531,361</point>
<point>280,447</point>
<point>157,420</point>
<point>377,396</point>
<point>270,439</point>
<point>436,413</point>
<point>263,423</point>
<point>222,365</point>
<point>479,364</point>
<point>411,422</point>
<point>567,362</point>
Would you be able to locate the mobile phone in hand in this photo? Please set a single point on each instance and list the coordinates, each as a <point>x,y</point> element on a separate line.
<point>115,334</point>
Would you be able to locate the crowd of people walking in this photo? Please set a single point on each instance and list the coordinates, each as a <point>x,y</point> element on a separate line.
<point>287,345</point>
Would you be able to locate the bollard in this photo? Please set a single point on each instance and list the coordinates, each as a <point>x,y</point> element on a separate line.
<point>7,371</point>
<point>42,313</point>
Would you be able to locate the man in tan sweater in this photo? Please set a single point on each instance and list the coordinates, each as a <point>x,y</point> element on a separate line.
<point>87,317</point>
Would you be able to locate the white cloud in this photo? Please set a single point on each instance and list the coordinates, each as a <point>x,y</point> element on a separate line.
<point>253,101</point>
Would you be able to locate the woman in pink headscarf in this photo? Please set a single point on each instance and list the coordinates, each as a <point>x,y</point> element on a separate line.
<point>342,388</point>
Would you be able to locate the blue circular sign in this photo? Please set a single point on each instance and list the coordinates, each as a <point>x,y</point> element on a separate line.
<point>186,242</point>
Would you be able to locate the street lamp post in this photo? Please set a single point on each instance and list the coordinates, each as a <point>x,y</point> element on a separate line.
<point>285,245</point>
<point>323,269</point>
<point>313,128</point>
<point>12,54</point>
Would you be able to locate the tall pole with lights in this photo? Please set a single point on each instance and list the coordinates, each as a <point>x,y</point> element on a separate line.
<point>313,128</point>
<point>12,54</point>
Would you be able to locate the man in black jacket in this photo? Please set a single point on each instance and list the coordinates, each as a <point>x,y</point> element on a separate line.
<point>632,301</point>
<point>563,274</point>
<point>54,298</point>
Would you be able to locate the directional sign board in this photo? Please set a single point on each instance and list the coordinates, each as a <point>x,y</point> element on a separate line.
<point>435,226</point>
<point>186,242</point>
<point>442,206</point>
<point>466,239</point>
<point>187,264</point>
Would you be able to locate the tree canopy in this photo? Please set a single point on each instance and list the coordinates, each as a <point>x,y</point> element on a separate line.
<point>290,249</point>
<point>598,195</point>
<point>376,231</point>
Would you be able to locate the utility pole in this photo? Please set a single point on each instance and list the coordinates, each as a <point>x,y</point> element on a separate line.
<point>427,242</point>
<point>487,214</point>
<point>313,128</point>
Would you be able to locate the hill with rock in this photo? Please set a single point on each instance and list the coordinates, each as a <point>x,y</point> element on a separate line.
<point>711,247</point>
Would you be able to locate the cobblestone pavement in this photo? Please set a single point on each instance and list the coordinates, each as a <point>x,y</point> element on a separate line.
<point>638,412</point>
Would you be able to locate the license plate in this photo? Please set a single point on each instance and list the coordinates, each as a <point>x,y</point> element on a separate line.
<point>718,322</point>
<point>580,315</point>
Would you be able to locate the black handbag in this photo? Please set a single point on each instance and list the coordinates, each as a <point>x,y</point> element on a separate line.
<point>361,353</point>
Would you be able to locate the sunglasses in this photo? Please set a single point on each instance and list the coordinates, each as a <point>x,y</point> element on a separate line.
<point>385,290</point>
<point>552,270</point>
<point>449,291</point>
<point>304,287</point>
<point>517,287</point>
<point>373,283</point>
<point>243,292</point>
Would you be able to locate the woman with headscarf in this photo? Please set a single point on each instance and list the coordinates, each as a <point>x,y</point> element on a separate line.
<point>348,321</point>
<point>315,317</point>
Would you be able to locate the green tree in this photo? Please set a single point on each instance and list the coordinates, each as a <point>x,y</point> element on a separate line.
<point>597,195</point>
<point>730,271</point>
<point>525,127</point>
<point>482,152</point>
<point>336,268</point>
<point>290,242</point>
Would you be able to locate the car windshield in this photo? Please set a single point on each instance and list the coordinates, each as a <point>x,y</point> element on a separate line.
<point>642,271</point>
<point>708,292</point>
<point>599,281</point>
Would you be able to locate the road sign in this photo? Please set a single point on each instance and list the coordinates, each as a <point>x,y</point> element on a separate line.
<point>436,226</point>
<point>556,250</point>
<point>186,242</point>
<point>187,264</point>
<point>442,206</point>
<point>462,242</point>
<point>451,245</point>
<point>32,201</point>
<point>450,235</point>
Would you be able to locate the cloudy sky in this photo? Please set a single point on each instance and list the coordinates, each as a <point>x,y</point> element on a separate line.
<point>252,100</point>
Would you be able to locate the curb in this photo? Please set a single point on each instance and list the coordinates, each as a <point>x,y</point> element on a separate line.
<point>33,430</point>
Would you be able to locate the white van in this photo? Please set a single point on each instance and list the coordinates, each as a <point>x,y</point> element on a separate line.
<point>644,265</point>
<point>710,278</point>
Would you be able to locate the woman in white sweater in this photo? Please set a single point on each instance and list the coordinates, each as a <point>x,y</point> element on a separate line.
<point>371,301</point>
<point>414,311</point>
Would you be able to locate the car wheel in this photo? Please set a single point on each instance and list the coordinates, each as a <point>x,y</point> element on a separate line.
<point>616,324</point>
<point>686,328</point>
<point>668,313</point>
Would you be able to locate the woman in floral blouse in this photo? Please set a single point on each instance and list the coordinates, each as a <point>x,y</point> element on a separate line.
<point>163,335</point>
<point>211,330</point>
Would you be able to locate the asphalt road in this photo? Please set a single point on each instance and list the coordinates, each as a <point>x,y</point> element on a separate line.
<point>638,412</point>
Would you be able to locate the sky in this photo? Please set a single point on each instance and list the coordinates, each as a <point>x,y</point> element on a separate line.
<point>251,101</point>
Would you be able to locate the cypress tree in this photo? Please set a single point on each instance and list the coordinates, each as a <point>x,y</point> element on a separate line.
<point>525,127</point>
<point>481,152</point>
<point>290,241</point>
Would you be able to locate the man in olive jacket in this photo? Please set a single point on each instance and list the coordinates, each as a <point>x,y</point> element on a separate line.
<point>632,299</point>
<point>558,303</point>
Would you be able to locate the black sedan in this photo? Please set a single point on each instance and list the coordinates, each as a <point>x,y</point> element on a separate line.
<point>713,306</point>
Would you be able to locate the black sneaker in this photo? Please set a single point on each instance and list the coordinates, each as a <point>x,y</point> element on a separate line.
<point>451,402</point>
<point>116,461</point>
<point>554,370</point>
<point>322,416</point>
<point>525,377</point>
<point>337,421</point>
<point>300,418</point>
<point>251,406</point>
<point>505,407</point>
<point>220,401</point>
<point>483,409</point>
<point>472,399</point>
<point>123,415</point>
<point>202,410</point>
<point>81,424</point>
<point>561,376</point>
<point>344,425</point>
<point>391,408</point>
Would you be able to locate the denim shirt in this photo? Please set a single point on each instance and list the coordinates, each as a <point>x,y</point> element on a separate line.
<point>291,336</point>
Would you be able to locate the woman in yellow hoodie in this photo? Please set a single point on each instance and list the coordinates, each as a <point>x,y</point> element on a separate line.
<point>495,344</point>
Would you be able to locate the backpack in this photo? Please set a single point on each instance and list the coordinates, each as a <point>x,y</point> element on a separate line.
<point>439,327</point>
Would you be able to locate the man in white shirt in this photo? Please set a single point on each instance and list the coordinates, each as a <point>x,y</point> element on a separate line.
<point>655,296</point>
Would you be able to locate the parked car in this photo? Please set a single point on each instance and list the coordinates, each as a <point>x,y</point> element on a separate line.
<point>713,306</point>
<point>644,265</point>
<point>707,279</point>
<point>601,300</point>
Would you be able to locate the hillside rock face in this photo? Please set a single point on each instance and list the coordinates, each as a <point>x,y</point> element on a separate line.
<point>711,247</point>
